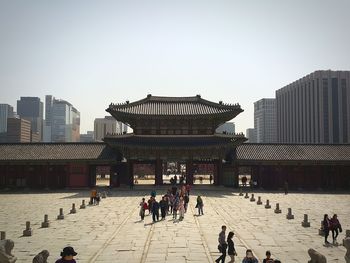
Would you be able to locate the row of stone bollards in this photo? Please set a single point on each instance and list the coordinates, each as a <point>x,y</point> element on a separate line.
<point>315,256</point>
<point>5,253</point>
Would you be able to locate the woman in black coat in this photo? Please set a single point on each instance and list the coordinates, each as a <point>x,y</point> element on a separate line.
<point>231,247</point>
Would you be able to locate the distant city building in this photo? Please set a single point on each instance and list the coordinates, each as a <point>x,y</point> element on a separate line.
<point>6,111</point>
<point>265,124</point>
<point>87,137</point>
<point>31,109</point>
<point>105,125</point>
<point>62,122</point>
<point>315,109</point>
<point>250,134</point>
<point>18,130</point>
<point>228,127</point>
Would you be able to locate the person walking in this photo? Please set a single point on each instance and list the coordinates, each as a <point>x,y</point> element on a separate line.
<point>163,207</point>
<point>231,251</point>
<point>335,226</point>
<point>143,206</point>
<point>186,200</point>
<point>222,245</point>
<point>155,211</point>
<point>175,206</point>
<point>199,205</point>
<point>181,208</point>
<point>326,226</point>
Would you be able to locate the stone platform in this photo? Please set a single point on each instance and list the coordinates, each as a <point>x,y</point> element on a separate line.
<point>112,232</point>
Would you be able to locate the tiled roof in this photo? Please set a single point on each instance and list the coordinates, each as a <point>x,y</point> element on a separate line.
<point>294,152</point>
<point>55,151</point>
<point>173,141</point>
<point>154,105</point>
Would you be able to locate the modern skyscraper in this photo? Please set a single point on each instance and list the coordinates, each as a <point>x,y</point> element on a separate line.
<point>105,125</point>
<point>265,121</point>
<point>6,111</point>
<point>18,130</point>
<point>228,127</point>
<point>250,133</point>
<point>315,109</point>
<point>31,108</point>
<point>62,122</point>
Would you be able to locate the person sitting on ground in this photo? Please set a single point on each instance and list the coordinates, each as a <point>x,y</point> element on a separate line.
<point>67,255</point>
<point>268,258</point>
<point>249,257</point>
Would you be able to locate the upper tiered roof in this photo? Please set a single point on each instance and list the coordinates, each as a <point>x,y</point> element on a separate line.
<point>173,106</point>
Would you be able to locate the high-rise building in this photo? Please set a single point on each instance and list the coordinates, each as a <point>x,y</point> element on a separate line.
<point>228,127</point>
<point>105,125</point>
<point>31,109</point>
<point>18,130</point>
<point>62,122</point>
<point>251,136</point>
<point>87,137</point>
<point>6,111</point>
<point>315,109</point>
<point>265,121</point>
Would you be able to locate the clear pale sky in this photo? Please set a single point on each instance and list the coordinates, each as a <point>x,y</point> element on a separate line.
<point>92,53</point>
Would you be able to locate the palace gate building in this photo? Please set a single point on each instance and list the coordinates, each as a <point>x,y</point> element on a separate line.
<point>174,129</point>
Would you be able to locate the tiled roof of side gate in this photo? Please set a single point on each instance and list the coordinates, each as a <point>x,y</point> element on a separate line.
<point>55,151</point>
<point>154,105</point>
<point>294,152</point>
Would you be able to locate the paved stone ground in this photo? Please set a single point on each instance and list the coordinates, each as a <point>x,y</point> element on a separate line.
<point>112,232</point>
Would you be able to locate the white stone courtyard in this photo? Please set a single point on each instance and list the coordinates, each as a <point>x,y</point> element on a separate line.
<point>112,232</point>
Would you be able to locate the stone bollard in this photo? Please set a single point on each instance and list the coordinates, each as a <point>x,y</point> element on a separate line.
<point>290,215</point>
<point>259,201</point>
<point>2,235</point>
<point>320,231</point>
<point>6,247</point>
<point>240,192</point>
<point>316,257</point>
<point>277,209</point>
<point>347,234</point>
<point>28,231</point>
<point>46,222</point>
<point>41,257</point>
<point>252,199</point>
<point>73,210</point>
<point>267,206</point>
<point>83,206</point>
<point>306,222</point>
<point>246,195</point>
<point>346,243</point>
<point>61,215</point>
<point>104,195</point>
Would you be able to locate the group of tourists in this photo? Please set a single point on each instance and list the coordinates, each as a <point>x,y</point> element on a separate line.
<point>174,202</point>
<point>331,224</point>
<point>228,244</point>
<point>95,197</point>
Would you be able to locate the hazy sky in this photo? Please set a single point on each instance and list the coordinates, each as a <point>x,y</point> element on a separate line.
<point>92,53</point>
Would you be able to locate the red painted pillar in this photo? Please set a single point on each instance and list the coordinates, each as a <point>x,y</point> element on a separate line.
<point>189,172</point>
<point>159,172</point>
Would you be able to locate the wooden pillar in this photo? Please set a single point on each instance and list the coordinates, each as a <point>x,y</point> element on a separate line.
<point>235,175</point>
<point>219,174</point>
<point>159,172</point>
<point>114,176</point>
<point>130,179</point>
<point>189,172</point>
<point>92,175</point>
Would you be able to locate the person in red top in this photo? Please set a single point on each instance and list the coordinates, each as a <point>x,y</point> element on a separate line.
<point>67,255</point>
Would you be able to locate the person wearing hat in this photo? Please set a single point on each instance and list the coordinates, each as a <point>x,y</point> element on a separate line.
<point>67,255</point>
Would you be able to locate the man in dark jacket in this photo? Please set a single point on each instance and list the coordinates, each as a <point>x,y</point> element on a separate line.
<point>155,210</point>
<point>163,207</point>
